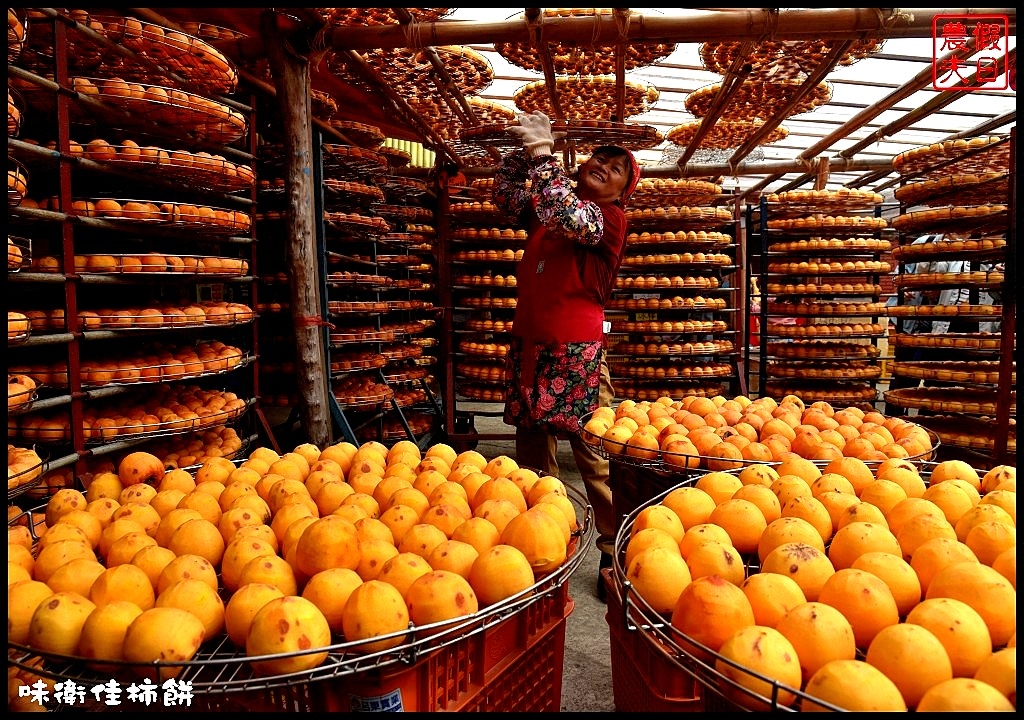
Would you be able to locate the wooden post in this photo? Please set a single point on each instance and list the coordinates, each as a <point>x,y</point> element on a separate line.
<point>291,77</point>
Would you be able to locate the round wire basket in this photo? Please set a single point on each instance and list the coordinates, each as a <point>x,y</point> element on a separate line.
<point>220,670</point>
<point>724,683</point>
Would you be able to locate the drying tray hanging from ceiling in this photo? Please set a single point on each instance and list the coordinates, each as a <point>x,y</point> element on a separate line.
<point>590,97</point>
<point>782,59</point>
<point>586,134</point>
<point>410,73</point>
<point>348,16</point>
<point>583,58</point>
<point>448,125</point>
<point>157,54</point>
<point>725,134</point>
<point>758,100</point>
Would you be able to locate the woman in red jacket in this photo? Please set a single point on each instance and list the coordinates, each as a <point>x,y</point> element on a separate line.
<point>555,371</point>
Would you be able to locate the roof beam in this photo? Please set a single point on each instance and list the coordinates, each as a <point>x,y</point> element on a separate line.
<point>740,24</point>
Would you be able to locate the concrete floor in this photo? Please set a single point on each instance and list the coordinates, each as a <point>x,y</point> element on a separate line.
<point>587,669</point>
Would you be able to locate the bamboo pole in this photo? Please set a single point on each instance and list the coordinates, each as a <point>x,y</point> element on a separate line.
<point>740,24</point>
<point>782,167</point>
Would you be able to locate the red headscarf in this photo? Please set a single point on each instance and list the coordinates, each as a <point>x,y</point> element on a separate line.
<point>634,169</point>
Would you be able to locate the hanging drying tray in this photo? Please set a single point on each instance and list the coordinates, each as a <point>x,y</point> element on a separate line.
<point>361,334</point>
<point>486,349</point>
<point>956,157</point>
<point>26,468</point>
<point>410,72</point>
<point>411,240</point>
<point>971,400</point>
<point>674,371</point>
<point>978,371</point>
<point>201,170</point>
<point>137,52</point>
<point>976,278</point>
<point>981,341</point>
<point>19,253</point>
<point>506,234</point>
<point>819,222</point>
<point>688,238</point>
<point>351,279</point>
<point>957,189</point>
<point>758,100</point>
<point>951,248</point>
<point>148,213</point>
<point>366,397</point>
<point>666,349</point>
<point>719,260</point>
<point>393,353</point>
<point>816,289</point>
<point>17,33</point>
<point>827,370</point>
<point>724,135</point>
<point>357,162</point>
<point>976,433</point>
<point>583,59</point>
<point>849,330</point>
<point>832,246</point>
<point>354,190</point>
<point>403,213</point>
<point>209,31</point>
<point>198,315</point>
<point>111,373</point>
<point>821,202</point>
<point>481,392</point>
<point>403,189</point>
<point>361,134</point>
<point>665,303</point>
<point>663,192</point>
<point>832,392</point>
<point>586,97</point>
<point>17,182</point>
<point>667,327</point>
<point>829,309</point>
<point>585,132</point>
<point>823,350</point>
<point>356,225</point>
<point>203,120</point>
<point>160,264</point>
<point>946,311</point>
<point>396,158</point>
<point>954,219</point>
<point>15,112</point>
<point>676,219</point>
<point>776,59</point>
<point>369,307</point>
<point>356,361</point>
<point>830,267</point>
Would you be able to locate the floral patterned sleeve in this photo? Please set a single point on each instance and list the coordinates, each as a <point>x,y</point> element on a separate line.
<point>510,193</point>
<point>557,205</point>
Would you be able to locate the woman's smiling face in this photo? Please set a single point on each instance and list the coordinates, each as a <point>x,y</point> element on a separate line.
<point>603,177</point>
